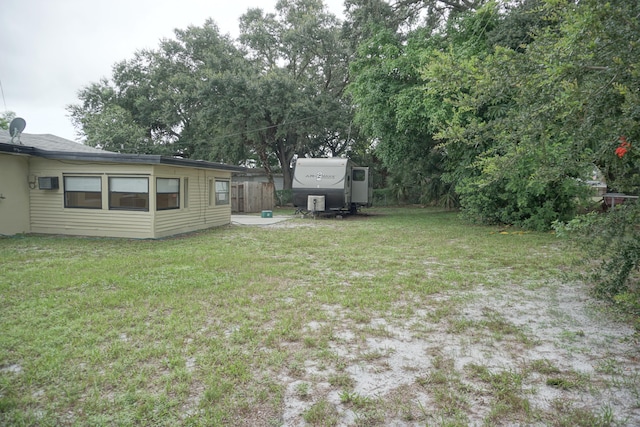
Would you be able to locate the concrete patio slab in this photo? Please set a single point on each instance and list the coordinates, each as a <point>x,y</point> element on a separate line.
<point>257,220</point>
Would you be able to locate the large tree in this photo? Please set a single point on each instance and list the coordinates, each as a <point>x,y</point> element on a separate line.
<point>508,102</point>
<point>551,108</point>
<point>154,102</point>
<point>295,105</point>
<point>5,119</point>
<point>279,95</point>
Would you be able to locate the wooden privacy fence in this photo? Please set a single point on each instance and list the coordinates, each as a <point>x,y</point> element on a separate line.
<point>251,197</point>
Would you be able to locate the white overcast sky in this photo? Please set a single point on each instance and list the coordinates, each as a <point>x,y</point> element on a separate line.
<point>50,49</point>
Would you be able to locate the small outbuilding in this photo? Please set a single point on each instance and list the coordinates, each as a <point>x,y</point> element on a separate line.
<point>52,185</point>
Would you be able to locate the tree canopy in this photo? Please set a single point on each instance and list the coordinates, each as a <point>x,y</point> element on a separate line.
<point>504,108</point>
<point>515,103</point>
<point>276,93</point>
<point>5,119</point>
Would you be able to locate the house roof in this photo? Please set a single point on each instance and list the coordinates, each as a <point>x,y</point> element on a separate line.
<point>47,142</point>
<point>54,147</point>
<point>255,172</point>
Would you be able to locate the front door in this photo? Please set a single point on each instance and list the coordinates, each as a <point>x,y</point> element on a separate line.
<point>360,186</point>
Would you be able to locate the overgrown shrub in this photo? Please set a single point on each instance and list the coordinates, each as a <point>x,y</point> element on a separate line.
<point>611,245</point>
<point>530,204</point>
<point>383,197</point>
<point>284,197</point>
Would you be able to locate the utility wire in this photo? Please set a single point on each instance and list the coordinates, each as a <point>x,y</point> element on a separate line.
<point>3,100</point>
<point>256,130</point>
<point>270,127</point>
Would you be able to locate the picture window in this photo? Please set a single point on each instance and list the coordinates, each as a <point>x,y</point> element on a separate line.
<point>83,192</point>
<point>129,193</point>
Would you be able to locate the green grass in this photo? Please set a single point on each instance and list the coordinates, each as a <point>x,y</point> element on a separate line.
<point>200,329</point>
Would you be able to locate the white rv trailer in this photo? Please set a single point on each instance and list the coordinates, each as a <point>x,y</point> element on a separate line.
<point>331,185</point>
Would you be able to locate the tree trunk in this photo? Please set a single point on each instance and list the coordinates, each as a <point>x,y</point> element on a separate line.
<point>287,177</point>
<point>285,160</point>
<point>262,153</point>
<point>285,150</point>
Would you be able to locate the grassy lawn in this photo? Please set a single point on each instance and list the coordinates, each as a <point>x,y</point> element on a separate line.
<point>401,315</point>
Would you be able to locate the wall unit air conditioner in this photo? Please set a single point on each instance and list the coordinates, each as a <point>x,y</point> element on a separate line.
<point>48,182</point>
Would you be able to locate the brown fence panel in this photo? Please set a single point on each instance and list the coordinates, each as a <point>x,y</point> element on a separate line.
<point>250,197</point>
<point>268,196</point>
<point>237,197</point>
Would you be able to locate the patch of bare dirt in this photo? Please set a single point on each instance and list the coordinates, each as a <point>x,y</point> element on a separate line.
<point>560,355</point>
<point>301,221</point>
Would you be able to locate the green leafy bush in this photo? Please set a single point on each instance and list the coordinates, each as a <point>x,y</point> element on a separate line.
<point>611,245</point>
<point>529,202</point>
<point>284,197</point>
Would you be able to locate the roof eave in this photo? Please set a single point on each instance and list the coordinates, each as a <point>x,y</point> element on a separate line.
<point>16,149</point>
<point>175,161</point>
<point>147,159</point>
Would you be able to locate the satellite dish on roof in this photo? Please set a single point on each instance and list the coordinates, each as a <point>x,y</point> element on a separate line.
<point>16,127</point>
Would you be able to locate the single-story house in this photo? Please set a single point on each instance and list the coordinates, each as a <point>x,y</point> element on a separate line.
<point>52,185</point>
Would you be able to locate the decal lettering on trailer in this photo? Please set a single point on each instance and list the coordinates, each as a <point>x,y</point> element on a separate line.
<point>320,175</point>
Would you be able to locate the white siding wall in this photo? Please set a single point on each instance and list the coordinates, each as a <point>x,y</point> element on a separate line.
<point>48,214</point>
<point>14,194</point>
<point>197,214</point>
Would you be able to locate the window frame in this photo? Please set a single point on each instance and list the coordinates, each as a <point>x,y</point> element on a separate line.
<point>211,193</point>
<point>185,192</point>
<point>359,175</point>
<point>226,200</point>
<point>145,208</point>
<point>68,192</point>
<point>176,195</point>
